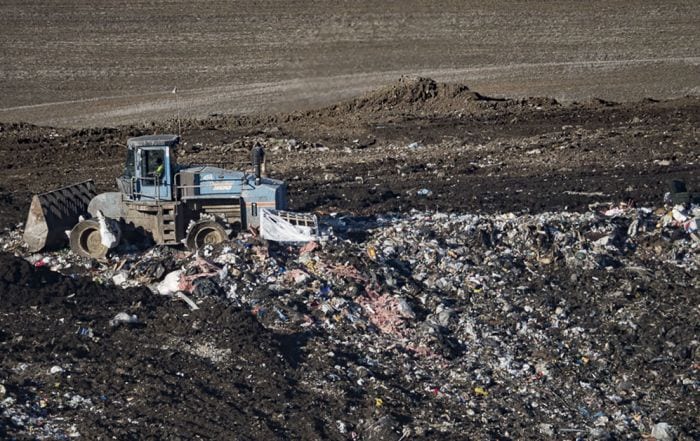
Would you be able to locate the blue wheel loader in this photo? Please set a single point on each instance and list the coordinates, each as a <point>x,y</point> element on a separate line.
<point>171,204</point>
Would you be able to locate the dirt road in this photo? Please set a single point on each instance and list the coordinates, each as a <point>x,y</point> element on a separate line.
<point>68,64</point>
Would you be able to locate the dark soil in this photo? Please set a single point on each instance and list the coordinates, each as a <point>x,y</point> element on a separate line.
<point>151,381</point>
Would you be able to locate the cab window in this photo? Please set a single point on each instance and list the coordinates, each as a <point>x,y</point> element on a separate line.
<point>130,167</point>
<point>150,160</point>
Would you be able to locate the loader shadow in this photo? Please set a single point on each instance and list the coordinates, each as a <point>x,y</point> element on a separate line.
<point>292,345</point>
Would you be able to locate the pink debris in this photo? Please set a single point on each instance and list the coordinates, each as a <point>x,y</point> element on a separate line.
<point>309,247</point>
<point>296,275</point>
<point>208,269</point>
<point>347,271</point>
<point>620,210</point>
<point>205,265</point>
<point>308,321</point>
<point>421,350</point>
<point>384,312</point>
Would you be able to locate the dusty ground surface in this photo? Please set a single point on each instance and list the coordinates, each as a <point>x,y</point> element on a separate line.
<point>66,63</point>
<point>217,371</point>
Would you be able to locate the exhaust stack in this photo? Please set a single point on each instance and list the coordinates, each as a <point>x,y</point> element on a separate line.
<point>258,159</point>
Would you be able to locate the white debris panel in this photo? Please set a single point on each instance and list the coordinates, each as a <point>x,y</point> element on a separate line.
<point>286,226</point>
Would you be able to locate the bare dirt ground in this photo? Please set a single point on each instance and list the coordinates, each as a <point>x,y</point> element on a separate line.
<point>70,64</point>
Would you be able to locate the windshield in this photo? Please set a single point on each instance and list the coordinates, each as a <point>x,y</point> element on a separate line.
<point>151,160</point>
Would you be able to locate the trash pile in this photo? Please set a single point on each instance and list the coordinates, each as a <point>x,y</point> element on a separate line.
<point>560,324</point>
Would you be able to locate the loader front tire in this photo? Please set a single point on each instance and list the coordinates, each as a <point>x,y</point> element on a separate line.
<point>85,240</point>
<point>203,233</point>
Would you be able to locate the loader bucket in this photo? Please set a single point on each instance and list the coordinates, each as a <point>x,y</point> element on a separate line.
<point>52,214</point>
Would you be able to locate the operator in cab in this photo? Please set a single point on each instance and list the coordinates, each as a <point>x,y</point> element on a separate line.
<point>160,168</point>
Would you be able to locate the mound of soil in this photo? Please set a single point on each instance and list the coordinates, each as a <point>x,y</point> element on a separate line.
<point>419,95</point>
<point>410,93</point>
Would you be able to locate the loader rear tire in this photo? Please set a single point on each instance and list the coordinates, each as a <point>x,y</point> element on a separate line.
<point>205,233</point>
<point>85,240</point>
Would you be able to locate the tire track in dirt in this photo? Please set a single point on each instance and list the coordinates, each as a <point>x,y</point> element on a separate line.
<point>565,80</point>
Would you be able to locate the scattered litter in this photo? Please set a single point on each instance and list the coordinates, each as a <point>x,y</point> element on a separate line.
<point>480,391</point>
<point>124,318</point>
<point>85,332</point>
<point>193,306</point>
<point>120,278</point>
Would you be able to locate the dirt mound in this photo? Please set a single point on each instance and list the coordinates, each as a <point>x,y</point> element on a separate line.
<point>415,93</point>
<point>425,95</point>
<point>409,98</point>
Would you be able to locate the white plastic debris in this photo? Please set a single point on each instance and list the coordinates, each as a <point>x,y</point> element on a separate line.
<point>277,225</point>
<point>663,432</point>
<point>120,278</point>
<point>123,318</point>
<point>546,430</point>
<point>180,295</point>
<point>110,234</point>
<point>342,428</point>
<point>55,370</point>
<point>169,285</point>
<point>615,211</point>
<point>679,213</point>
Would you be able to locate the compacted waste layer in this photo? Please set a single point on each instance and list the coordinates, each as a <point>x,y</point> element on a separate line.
<point>414,326</point>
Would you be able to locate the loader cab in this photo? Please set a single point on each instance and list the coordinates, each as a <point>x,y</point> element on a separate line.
<point>149,168</point>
